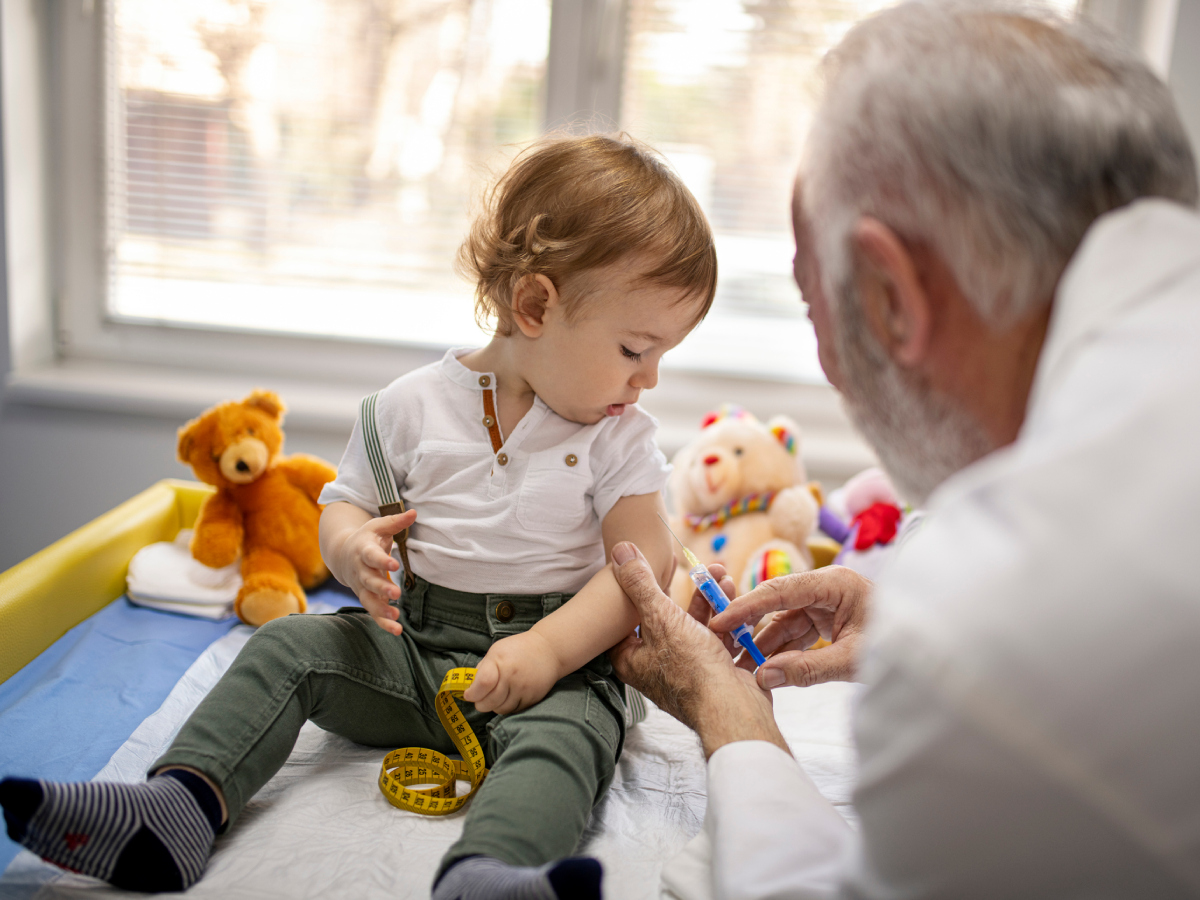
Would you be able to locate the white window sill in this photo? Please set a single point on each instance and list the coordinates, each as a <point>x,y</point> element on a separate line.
<point>831,448</point>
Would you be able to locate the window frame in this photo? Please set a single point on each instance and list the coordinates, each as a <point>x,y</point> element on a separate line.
<point>66,351</point>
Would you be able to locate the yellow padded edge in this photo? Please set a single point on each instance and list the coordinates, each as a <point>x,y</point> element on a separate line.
<point>54,590</point>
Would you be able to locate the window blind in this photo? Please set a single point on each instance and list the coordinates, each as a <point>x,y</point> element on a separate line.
<point>310,165</point>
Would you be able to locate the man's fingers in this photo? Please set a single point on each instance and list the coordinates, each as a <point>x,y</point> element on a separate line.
<point>699,609</point>
<point>636,579</point>
<point>828,588</point>
<point>623,656</point>
<point>718,571</point>
<point>768,597</point>
<point>726,583</point>
<point>786,628</point>
<point>803,668</point>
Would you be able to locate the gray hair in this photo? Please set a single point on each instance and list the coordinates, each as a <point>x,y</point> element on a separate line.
<point>994,133</point>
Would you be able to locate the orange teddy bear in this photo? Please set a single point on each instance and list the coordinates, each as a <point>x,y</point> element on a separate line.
<point>265,506</point>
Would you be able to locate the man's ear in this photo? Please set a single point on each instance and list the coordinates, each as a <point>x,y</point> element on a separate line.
<point>532,296</point>
<point>895,302</point>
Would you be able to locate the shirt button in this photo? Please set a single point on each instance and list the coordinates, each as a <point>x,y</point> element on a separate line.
<point>485,380</point>
<point>572,459</point>
<point>505,611</point>
<point>502,459</point>
<point>488,421</point>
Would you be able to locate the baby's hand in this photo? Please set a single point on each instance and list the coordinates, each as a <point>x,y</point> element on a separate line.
<point>517,672</point>
<point>365,561</point>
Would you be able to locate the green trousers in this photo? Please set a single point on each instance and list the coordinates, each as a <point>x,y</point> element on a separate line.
<point>549,763</point>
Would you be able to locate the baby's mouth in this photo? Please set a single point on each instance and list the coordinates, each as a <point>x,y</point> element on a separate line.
<point>614,409</point>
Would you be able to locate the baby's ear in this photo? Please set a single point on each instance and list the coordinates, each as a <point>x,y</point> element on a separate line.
<point>266,401</point>
<point>531,296</point>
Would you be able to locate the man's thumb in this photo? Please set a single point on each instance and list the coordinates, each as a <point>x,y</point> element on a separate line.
<point>633,574</point>
<point>804,668</point>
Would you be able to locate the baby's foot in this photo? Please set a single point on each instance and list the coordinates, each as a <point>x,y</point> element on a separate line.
<point>154,836</point>
<point>484,878</point>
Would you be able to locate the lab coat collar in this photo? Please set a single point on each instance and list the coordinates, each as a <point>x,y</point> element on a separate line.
<point>1124,256</point>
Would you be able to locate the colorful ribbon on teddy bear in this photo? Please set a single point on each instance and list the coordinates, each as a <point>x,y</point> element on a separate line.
<point>748,504</point>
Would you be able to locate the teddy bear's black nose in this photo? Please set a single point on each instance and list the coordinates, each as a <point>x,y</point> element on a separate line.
<point>242,467</point>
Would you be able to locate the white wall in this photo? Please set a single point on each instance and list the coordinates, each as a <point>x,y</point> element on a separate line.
<point>1185,67</point>
<point>61,467</point>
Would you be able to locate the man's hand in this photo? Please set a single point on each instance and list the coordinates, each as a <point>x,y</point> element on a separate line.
<point>684,668</point>
<point>830,603</point>
<point>517,672</point>
<point>364,562</point>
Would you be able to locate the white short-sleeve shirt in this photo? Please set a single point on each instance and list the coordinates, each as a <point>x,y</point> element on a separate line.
<point>528,525</point>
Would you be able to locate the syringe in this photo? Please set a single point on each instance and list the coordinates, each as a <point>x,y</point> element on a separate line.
<point>707,585</point>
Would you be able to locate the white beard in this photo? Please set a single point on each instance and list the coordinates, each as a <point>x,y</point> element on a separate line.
<point>922,438</point>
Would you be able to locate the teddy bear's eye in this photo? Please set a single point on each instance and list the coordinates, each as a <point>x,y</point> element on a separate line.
<point>250,431</point>
<point>737,451</point>
<point>216,457</point>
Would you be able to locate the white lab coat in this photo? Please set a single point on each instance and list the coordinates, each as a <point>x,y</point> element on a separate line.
<point>1031,725</point>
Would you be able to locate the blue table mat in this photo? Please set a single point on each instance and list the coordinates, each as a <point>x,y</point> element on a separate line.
<point>65,714</point>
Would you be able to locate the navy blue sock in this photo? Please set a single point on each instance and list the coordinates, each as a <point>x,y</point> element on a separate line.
<point>577,878</point>
<point>154,836</point>
<point>485,878</point>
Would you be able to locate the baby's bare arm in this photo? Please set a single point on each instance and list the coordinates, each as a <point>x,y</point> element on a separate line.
<point>601,616</point>
<point>518,671</point>
<point>356,547</point>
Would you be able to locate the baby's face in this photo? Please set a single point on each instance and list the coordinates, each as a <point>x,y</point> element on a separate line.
<point>595,364</point>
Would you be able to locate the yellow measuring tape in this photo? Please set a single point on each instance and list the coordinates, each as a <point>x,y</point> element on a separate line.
<point>417,765</point>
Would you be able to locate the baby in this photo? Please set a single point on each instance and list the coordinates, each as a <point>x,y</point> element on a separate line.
<point>523,463</point>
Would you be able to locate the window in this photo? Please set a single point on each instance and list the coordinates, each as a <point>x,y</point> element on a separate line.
<point>317,157</point>
<point>282,184</point>
<point>309,166</point>
<point>725,89</point>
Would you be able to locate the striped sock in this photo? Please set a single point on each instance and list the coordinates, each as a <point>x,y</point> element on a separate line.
<point>153,836</point>
<point>485,878</point>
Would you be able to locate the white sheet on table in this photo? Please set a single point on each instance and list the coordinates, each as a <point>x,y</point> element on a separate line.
<point>320,827</point>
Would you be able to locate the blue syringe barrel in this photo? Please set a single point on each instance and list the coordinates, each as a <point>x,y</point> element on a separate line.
<point>707,585</point>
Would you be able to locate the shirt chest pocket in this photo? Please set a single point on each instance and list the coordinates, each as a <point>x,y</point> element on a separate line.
<point>555,493</point>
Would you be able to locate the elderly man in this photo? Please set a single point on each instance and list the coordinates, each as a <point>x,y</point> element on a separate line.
<point>997,241</point>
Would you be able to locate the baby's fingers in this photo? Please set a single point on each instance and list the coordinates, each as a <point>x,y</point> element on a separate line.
<point>381,587</point>
<point>487,675</point>
<point>391,626</point>
<point>386,526</point>
<point>376,557</point>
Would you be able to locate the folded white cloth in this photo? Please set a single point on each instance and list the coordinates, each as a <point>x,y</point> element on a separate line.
<point>165,576</point>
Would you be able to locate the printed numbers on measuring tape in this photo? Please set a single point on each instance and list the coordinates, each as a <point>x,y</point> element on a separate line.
<point>417,765</point>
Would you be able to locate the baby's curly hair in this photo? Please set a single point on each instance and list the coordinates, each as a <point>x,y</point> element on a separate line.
<point>570,204</point>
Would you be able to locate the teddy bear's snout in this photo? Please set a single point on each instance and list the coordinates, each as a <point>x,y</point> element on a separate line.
<point>244,460</point>
<point>714,475</point>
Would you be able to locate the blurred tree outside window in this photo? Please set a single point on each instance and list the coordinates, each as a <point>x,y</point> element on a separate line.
<point>311,166</point>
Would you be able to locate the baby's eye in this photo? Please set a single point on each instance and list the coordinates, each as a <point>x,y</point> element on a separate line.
<point>636,357</point>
